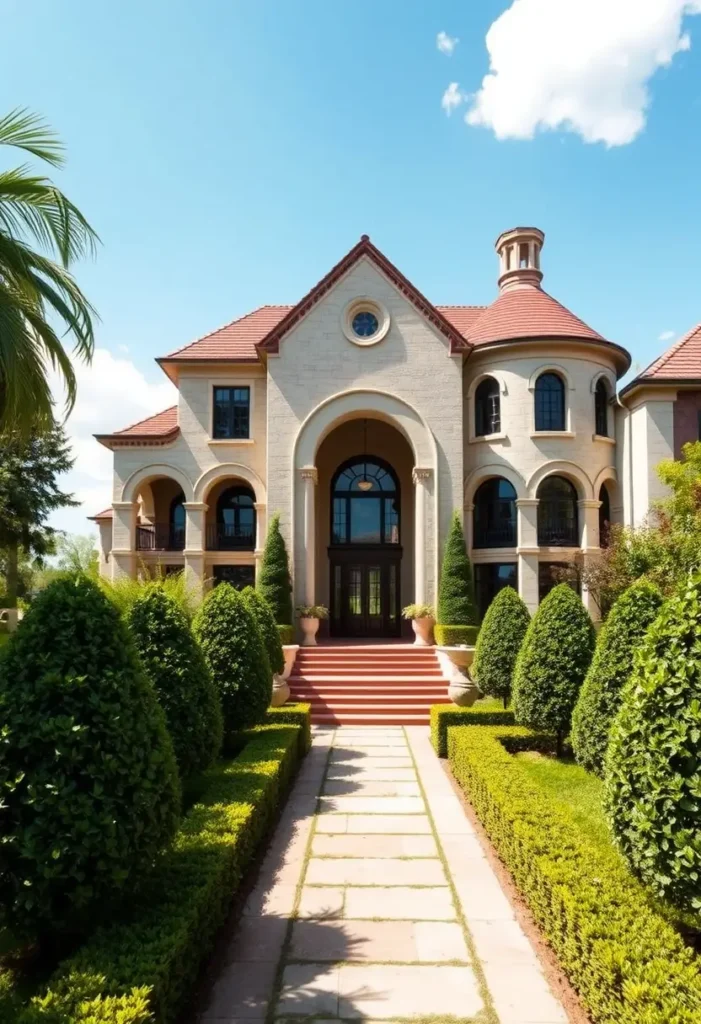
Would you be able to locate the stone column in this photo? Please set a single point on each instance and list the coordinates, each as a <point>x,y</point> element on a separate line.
<point>591,550</point>
<point>310,477</point>
<point>528,550</point>
<point>261,529</point>
<point>124,538</point>
<point>469,527</point>
<point>195,543</point>
<point>420,476</point>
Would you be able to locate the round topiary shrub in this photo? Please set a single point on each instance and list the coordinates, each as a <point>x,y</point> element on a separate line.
<point>600,696</point>
<point>456,601</point>
<point>233,649</point>
<point>178,671</point>
<point>88,781</point>
<point>553,662</point>
<point>260,609</point>
<point>653,763</point>
<point>274,583</point>
<point>500,638</point>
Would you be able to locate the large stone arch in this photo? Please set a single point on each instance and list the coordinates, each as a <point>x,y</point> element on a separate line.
<point>230,469</point>
<point>561,467</point>
<point>482,473</point>
<point>146,474</point>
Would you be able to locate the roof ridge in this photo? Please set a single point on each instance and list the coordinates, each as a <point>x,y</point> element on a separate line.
<point>460,305</point>
<point>146,419</point>
<point>662,360</point>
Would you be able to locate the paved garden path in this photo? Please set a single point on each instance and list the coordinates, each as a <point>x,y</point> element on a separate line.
<point>375,900</point>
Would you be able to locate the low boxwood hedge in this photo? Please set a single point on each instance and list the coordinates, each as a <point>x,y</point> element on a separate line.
<point>627,962</point>
<point>445,715</point>
<point>452,636</point>
<point>142,967</point>
<point>294,714</point>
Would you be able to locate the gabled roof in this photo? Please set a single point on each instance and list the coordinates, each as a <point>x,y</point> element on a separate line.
<point>235,342</point>
<point>158,429</point>
<point>679,364</point>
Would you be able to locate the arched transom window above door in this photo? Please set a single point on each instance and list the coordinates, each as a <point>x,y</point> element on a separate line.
<point>365,503</point>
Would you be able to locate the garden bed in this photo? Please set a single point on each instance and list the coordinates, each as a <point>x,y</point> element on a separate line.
<point>484,712</point>
<point>142,967</point>
<point>626,961</point>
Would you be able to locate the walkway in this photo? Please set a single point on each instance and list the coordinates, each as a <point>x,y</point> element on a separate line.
<point>369,905</point>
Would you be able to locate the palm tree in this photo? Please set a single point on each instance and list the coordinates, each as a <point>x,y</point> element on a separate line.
<point>41,234</point>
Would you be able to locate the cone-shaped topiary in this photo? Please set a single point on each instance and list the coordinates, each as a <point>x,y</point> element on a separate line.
<point>600,696</point>
<point>653,763</point>
<point>500,638</point>
<point>456,600</point>
<point>553,662</point>
<point>175,663</point>
<point>260,609</point>
<point>274,583</point>
<point>88,779</point>
<point>233,649</point>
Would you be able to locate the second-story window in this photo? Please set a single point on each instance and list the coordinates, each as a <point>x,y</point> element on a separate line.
<point>487,412</point>
<point>232,413</point>
<point>601,415</point>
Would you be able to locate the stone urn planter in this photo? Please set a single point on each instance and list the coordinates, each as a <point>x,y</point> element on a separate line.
<point>422,622</point>
<point>281,691</point>
<point>290,653</point>
<point>309,618</point>
<point>455,663</point>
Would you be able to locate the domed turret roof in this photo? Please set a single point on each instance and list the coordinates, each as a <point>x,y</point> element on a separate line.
<point>528,312</point>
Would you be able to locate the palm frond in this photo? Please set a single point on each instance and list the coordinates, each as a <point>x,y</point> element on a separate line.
<point>31,203</point>
<point>28,131</point>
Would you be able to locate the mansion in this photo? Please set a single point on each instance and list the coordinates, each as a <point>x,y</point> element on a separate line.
<point>364,415</point>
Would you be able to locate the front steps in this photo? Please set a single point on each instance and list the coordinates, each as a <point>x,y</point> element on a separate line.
<point>374,684</point>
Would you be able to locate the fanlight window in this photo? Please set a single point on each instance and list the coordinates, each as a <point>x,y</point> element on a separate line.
<point>495,515</point>
<point>549,402</point>
<point>487,408</point>
<point>601,402</point>
<point>365,503</point>
<point>558,523</point>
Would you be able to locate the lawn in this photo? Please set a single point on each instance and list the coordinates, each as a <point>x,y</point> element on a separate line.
<point>570,785</point>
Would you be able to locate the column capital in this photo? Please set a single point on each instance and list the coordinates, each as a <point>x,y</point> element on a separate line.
<point>310,473</point>
<point>527,502</point>
<point>124,506</point>
<point>589,503</point>
<point>195,506</point>
<point>420,474</point>
<point>470,507</point>
<point>259,506</point>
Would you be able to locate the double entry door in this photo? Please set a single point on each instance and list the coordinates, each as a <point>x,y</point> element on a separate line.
<point>365,594</point>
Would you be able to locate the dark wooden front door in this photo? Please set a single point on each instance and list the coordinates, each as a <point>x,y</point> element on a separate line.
<point>364,594</point>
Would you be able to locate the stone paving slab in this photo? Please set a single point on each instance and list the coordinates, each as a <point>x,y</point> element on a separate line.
<point>369,761</point>
<point>370,773</point>
<point>371,805</point>
<point>368,824</point>
<point>345,845</point>
<point>242,990</point>
<point>321,902</point>
<point>383,941</point>
<point>383,991</point>
<point>399,903</point>
<point>374,871</point>
<point>359,786</point>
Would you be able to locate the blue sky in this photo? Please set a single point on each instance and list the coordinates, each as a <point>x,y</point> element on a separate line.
<point>228,153</point>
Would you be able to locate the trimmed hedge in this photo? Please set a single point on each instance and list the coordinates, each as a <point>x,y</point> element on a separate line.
<point>653,764</point>
<point>612,664</point>
<point>143,967</point>
<point>500,638</point>
<point>294,714</point>
<point>443,716</point>
<point>274,582</point>
<point>452,636</point>
<point>627,963</point>
<point>456,599</point>
<point>260,609</point>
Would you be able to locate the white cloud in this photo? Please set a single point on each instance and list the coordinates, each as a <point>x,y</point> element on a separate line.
<point>666,336</point>
<point>452,98</point>
<point>446,44</point>
<point>578,65</point>
<point>123,348</point>
<point>112,394</point>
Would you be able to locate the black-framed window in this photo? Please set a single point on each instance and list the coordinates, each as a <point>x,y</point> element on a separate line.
<point>176,522</point>
<point>549,402</point>
<point>239,576</point>
<point>487,408</point>
<point>490,578</point>
<point>232,413</point>
<point>601,409</point>
<point>551,574</point>
<point>494,517</point>
<point>558,520</point>
<point>365,503</point>
<point>604,516</point>
<point>235,527</point>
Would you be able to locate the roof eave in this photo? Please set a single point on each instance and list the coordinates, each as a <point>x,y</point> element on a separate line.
<point>521,339</point>
<point>129,440</point>
<point>659,382</point>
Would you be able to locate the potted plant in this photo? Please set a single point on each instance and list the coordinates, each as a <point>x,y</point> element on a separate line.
<point>310,616</point>
<point>423,618</point>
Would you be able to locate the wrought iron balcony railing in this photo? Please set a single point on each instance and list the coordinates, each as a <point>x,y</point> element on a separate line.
<point>230,537</point>
<point>160,537</point>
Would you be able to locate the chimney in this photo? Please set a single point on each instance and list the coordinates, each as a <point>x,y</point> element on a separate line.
<point>519,258</point>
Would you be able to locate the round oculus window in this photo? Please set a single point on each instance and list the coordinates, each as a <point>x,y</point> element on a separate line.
<point>365,324</point>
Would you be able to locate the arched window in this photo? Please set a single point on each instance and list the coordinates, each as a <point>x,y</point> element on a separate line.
<point>236,520</point>
<point>495,515</point>
<point>558,522</point>
<point>487,408</point>
<point>604,516</point>
<point>365,503</point>
<point>601,408</point>
<point>176,523</point>
<point>549,402</point>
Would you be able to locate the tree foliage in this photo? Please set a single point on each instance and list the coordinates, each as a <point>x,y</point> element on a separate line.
<point>612,664</point>
<point>176,666</point>
<point>456,602</point>
<point>274,583</point>
<point>653,763</point>
<point>88,780</point>
<point>233,649</point>
<point>501,635</point>
<point>260,609</point>
<point>125,591</point>
<point>553,662</point>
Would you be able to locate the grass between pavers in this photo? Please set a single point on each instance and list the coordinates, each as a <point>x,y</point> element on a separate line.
<point>489,711</point>
<point>141,969</point>
<point>629,965</point>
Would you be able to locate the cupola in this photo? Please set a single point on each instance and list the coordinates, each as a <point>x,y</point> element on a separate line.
<point>519,258</point>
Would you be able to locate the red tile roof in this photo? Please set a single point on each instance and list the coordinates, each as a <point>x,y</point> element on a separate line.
<point>235,341</point>
<point>528,312</point>
<point>161,427</point>
<point>107,514</point>
<point>679,363</point>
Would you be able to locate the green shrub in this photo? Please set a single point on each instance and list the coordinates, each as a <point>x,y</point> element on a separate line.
<point>260,609</point>
<point>444,716</point>
<point>274,583</point>
<point>142,967</point>
<point>600,696</point>
<point>235,655</point>
<point>294,714</point>
<point>287,634</point>
<point>456,601</point>
<point>653,764</point>
<point>500,638</point>
<point>125,591</point>
<point>552,663</point>
<point>88,780</point>
<point>175,663</point>
<point>627,963</point>
<point>452,636</point>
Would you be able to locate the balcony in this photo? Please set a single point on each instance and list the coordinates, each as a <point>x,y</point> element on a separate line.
<point>160,537</point>
<point>230,537</point>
